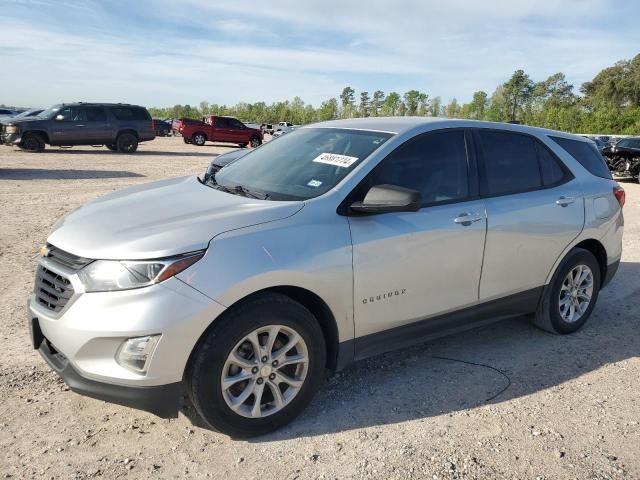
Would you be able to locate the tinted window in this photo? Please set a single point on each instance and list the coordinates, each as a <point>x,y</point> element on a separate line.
<point>5,112</point>
<point>73,114</point>
<point>233,123</point>
<point>222,122</point>
<point>552,172</point>
<point>434,164</point>
<point>509,163</point>
<point>130,113</point>
<point>587,154</point>
<point>96,114</point>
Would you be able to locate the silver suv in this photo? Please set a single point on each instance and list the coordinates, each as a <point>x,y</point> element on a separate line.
<point>339,241</point>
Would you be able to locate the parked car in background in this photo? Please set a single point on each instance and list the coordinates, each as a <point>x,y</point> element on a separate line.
<point>267,128</point>
<point>163,128</point>
<point>118,126</point>
<point>340,241</point>
<point>283,126</point>
<point>623,158</point>
<point>218,129</point>
<point>6,113</point>
<point>19,116</point>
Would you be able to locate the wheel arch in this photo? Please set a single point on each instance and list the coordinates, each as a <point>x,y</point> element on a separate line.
<point>591,245</point>
<point>200,132</point>
<point>312,302</point>
<point>127,130</point>
<point>40,133</point>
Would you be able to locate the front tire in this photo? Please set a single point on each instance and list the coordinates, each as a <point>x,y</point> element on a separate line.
<point>255,142</point>
<point>32,143</point>
<point>257,367</point>
<point>127,143</point>
<point>571,296</point>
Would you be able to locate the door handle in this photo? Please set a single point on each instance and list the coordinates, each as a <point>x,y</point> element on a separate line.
<point>80,125</point>
<point>467,218</point>
<point>564,201</point>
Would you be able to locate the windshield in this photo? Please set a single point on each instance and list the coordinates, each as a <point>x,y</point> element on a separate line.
<point>629,143</point>
<point>50,112</point>
<point>302,164</point>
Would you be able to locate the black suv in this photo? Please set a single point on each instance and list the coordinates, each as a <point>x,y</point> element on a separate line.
<point>120,127</point>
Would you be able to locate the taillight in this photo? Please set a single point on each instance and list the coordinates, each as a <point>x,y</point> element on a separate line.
<point>153,124</point>
<point>618,191</point>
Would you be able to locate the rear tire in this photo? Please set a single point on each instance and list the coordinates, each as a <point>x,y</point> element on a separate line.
<point>255,142</point>
<point>563,307</point>
<point>199,139</point>
<point>215,358</point>
<point>127,143</point>
<point>32,142</point>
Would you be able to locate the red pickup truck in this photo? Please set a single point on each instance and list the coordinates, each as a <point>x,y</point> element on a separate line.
<point>217,129</point>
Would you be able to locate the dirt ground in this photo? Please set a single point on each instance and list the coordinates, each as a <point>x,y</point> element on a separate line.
<point>571,410</point>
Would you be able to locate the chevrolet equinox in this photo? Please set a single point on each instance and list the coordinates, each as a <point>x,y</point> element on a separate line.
<point>341,240</point>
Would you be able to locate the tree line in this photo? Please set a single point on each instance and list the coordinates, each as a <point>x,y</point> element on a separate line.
<point>610,103</point>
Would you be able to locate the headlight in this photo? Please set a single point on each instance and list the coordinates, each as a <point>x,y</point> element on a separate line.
<point>110,275</point>
<point>11,129</point>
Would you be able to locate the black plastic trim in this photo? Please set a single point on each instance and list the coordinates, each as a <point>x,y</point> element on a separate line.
<point>612,269</point>
<point>439,326</point>
<point>161,400</point>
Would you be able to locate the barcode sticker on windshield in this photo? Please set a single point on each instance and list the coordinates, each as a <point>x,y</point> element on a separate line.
<point>335,159</point>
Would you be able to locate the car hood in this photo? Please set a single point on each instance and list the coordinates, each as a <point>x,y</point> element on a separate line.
<point>160,219</point>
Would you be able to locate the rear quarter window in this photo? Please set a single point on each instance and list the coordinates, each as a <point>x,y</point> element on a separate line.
<point>586,154</point>
<point>130,113</point>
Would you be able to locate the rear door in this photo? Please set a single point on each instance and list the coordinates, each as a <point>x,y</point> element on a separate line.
<point>99,129</point>
<point>534,210</point>
<point>409,266</point>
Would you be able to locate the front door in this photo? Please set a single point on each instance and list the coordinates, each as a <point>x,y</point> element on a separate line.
<point>410,266</point>
<point>69,127</point>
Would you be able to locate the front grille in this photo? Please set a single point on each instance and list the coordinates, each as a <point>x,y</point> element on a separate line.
<point>67,259</point>
<point>52,290</point>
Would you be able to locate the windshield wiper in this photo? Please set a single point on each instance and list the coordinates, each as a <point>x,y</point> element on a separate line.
<point>236,189</point>
<point>241,190</point>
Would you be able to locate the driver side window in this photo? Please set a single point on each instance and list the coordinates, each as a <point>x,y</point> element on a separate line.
<point>73,114</point>
<point>434,164</point>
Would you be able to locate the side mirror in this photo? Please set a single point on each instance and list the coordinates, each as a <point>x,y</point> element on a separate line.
<point>388,198</point>
<point>59,117</point>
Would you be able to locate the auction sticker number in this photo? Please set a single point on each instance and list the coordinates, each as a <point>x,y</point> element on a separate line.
<point>335,159</point>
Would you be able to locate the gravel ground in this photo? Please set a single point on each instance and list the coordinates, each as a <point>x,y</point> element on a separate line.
<point>571,409</point>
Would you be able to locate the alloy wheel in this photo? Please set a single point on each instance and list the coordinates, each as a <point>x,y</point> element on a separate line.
<point>265,371</point>
<point>575,293</point>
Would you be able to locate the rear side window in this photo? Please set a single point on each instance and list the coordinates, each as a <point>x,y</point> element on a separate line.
<point>130,113</point>
<point>222,122</point>
<point>552,172</point>
<point>434,164</point>
<point>586,154</point>
<point>509,163</point>
<point>96,114</point>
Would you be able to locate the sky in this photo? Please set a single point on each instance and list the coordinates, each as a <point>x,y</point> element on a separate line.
<point>167,52</point>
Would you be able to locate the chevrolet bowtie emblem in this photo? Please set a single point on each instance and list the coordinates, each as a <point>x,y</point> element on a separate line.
<point>44,251</point>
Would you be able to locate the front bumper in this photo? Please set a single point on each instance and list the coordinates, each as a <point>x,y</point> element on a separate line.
<point>11,138</point>
<point>81,342</point>
<point>161,400</point>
